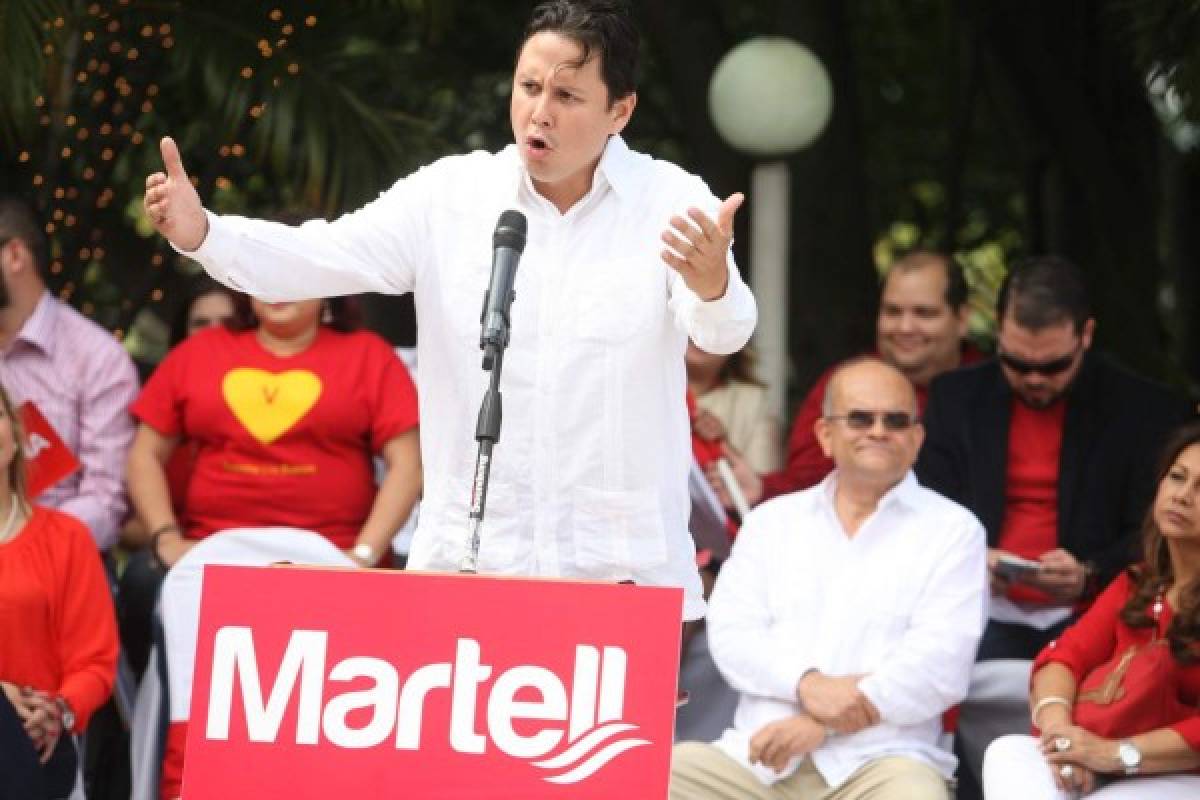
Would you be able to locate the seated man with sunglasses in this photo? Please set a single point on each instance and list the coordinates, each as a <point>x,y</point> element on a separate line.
<point>847,618</point>
<point>1052,446</point>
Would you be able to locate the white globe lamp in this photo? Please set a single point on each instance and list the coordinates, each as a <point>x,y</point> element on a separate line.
<point>768,98</point>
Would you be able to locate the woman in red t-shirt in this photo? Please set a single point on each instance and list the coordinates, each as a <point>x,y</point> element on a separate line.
<point>285,416</point>
<point>1159,598</point>
<point>58,634</point>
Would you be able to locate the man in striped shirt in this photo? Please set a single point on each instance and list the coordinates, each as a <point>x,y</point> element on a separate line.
<point>74,371</point>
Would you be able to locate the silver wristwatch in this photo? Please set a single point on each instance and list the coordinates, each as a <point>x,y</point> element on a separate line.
<point>1129,756</point>
<point>65,713</point>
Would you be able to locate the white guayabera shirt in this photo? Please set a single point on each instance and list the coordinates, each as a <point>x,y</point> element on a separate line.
<point>589,478</point>
<point>903,602</point>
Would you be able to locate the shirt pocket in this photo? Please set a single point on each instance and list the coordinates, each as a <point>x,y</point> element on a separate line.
<point>882,634</point>
<point>617,533</point>
<point>464,289</point>
<point>617,300</point>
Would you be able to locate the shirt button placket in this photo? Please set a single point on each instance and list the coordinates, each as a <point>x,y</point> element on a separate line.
<point>547,497</point>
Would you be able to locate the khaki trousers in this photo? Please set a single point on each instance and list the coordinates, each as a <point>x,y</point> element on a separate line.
<point>700,771</point>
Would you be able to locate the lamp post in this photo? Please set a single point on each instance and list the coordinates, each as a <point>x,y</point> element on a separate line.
<point>768,98</point>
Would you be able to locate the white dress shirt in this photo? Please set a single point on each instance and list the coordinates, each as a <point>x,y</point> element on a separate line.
<point>902,602</point>
<point>589,478</point>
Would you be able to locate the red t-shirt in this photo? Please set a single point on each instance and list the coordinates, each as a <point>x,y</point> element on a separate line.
<point>280,440</point>
<point>1030,525</point>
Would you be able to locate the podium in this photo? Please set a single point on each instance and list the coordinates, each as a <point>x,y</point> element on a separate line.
<point>318,682</point>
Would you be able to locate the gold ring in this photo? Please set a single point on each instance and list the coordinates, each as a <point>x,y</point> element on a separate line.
<point>1067,772</point>
<point>1062,744</point>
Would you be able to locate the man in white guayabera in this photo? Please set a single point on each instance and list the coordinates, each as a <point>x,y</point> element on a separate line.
<point>626,258</point>
<point>847,617</point>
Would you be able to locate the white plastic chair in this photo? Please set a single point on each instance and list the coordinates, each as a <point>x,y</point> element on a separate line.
<point>997,704</point>
<point>179,610</point>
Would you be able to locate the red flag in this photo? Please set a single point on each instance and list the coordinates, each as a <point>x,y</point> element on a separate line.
<point>47,457</point>
<point>706,451</point>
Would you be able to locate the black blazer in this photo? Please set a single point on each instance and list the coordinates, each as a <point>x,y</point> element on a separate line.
<point>1114,428</point>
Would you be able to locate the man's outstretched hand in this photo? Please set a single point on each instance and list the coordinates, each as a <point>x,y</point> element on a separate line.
<point>172,203</point>
<point>697,249</point>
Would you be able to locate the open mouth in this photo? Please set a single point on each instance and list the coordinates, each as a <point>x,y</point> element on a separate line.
<point>537,144</point>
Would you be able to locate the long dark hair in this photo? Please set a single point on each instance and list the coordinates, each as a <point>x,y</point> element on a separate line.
<point>742,367</point>
<point>16,469</point>
<point>1156,573</point>
<point>201,286</point>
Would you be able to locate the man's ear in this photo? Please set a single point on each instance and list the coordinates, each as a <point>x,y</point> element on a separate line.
<point>620,113</point>
<point>824,439</point>
<point>964,320</point>
<point>1088,333</point>
<point>10,255</point>
<point>15,256</point>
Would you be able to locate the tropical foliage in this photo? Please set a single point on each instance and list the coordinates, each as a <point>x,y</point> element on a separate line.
<point>992,129</point>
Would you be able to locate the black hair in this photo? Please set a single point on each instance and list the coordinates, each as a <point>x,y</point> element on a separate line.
<point>1041,291</point>
<point>603,29</point>
<point>200,286</point>
<point>957,290</point>
<point>18,221</point>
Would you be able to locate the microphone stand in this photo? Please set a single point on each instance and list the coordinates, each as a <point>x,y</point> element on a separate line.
<point>487,433</point>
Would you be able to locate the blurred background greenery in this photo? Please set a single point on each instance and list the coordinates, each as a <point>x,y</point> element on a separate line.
<point>990,129</point>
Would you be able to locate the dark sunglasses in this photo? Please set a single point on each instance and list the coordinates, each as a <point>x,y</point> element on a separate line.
<point>1052,367</point>
<point>858,420</point>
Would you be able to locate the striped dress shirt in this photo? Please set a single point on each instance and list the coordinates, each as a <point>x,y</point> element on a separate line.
<point>83,382</point>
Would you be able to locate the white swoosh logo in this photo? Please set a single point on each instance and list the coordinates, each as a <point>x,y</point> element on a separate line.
<point>581,769</point>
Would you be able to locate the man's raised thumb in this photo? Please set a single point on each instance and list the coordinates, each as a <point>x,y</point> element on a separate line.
<point>171,160</point>
<point>726,212</point>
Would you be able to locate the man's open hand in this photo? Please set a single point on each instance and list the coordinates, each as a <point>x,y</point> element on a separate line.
<point>698,249</point>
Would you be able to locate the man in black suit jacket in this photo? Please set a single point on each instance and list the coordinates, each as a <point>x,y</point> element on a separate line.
<point>994,428</point>
<point>1053,447</point>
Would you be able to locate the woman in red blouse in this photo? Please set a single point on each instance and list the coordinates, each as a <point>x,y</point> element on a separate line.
<point>1160,597</point>
<point>58,635</point>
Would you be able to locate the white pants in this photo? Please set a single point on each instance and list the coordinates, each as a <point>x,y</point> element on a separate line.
<point>1015,769</point>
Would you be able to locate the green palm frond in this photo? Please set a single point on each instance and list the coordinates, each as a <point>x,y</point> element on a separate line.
<point>26,27</point>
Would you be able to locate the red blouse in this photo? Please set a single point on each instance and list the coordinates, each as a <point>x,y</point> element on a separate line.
<point>58,632</point>
<point>1100,633</point>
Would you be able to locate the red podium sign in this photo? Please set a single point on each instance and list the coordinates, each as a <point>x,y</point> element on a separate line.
<point>315,683</point>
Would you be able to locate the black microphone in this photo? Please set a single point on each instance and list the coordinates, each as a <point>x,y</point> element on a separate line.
<point>507,244</point>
